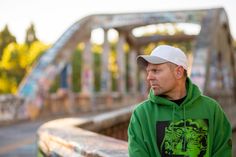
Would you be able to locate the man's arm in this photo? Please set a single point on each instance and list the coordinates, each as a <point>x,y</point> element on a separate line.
<point>222,145</point>
<point>137,147</point>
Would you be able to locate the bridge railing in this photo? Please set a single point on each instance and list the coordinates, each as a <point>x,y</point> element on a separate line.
<point>10,105</point>
<point>12,108</point>
<point>85,136</point>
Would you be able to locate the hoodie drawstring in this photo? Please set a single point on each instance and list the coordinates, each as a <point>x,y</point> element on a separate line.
<point>185,131</point>
<point>173,120</point>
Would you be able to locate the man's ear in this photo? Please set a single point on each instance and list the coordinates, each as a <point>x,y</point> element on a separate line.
<point>179,72</point>
<point>178,75</point>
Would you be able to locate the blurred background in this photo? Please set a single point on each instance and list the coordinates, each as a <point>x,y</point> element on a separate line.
<point>61,59</point>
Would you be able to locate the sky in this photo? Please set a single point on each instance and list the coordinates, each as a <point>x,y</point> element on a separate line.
<point>52,17</point>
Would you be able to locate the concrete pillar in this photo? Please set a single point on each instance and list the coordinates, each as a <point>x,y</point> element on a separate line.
<point>133,71</point>
<point>106,79</point>
<point>121,63</point>
<point>86,96</point>
<point>87,73</point>
<point>144,85</point>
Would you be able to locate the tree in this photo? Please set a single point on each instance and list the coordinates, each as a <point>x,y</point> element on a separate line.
<point>17,59</point>
<point>5,38</point>
<point>30,35</point>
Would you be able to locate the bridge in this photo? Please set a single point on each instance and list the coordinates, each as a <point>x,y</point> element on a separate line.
<point>212,68</point>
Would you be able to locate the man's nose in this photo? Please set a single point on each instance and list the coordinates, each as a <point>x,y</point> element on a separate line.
<point>149,76</point>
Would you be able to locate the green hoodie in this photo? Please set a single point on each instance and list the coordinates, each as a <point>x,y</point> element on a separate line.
<point>196,128</point>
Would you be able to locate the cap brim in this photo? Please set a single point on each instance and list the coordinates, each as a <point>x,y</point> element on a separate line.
<point>143,60</point>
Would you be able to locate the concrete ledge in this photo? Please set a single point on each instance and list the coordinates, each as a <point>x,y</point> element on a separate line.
<point>10,108</point>
<point>71,136</point>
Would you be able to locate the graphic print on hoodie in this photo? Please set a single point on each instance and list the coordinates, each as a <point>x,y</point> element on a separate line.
<point>182,138</point>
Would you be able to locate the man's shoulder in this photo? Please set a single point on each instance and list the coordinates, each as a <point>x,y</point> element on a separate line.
<point>142,105</point>
<point>142,110</point>
<point>208,100</point>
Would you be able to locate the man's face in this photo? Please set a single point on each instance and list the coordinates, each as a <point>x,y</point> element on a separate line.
<point>161,78</point>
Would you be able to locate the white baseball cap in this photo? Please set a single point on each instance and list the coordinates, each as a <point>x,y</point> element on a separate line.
<point>163,54</point>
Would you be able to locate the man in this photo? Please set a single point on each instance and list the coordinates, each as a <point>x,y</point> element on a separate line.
<point>176,120</point>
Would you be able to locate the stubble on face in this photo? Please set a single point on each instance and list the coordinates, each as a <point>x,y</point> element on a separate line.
<point>161,79</point>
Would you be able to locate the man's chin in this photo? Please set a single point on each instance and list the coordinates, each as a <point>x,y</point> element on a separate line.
<point>156,93</point>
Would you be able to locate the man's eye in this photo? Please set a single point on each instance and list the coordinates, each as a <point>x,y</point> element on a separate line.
<point>155,70</point>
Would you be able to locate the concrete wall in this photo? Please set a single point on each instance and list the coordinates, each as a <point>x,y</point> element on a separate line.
<point>86,136</point>
<point>13,109</point>
<point>10,108</point>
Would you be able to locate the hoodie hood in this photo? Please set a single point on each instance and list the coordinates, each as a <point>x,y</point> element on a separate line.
<point>193,93</point>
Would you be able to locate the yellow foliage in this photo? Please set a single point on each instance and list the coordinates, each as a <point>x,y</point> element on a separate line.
<point>112,62</point>
<point>149,48</point>
<point>20,55</point>
<point>4,84</point>
<point>35,50</point>
<point>81,46</point>
<point>8,85</point>
<point>126,47</point>
<point>18,58</point>
<point>23,50</point>
<point>97,48</point>
<point>10,57</point>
